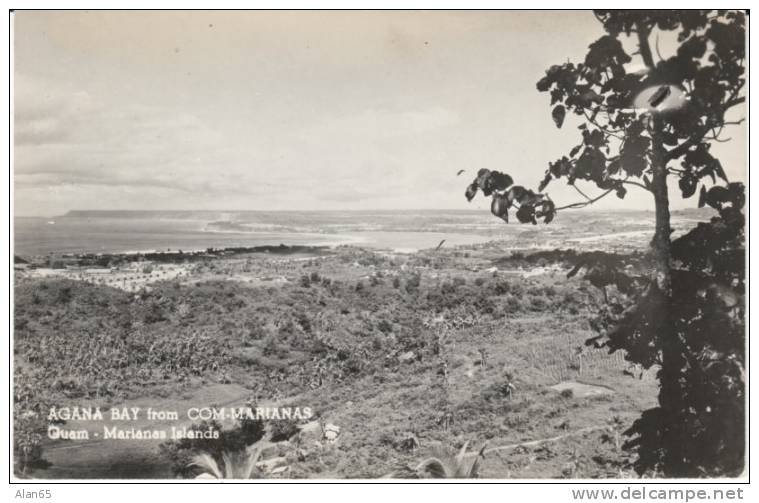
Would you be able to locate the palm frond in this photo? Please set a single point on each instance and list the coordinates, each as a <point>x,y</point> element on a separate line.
<point>435,468</point>
<point>234,465</point>
<point>208,464</point>
<point>447,466</point>
<point>229,465</point>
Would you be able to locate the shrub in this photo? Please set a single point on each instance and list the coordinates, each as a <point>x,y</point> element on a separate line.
<point>513,304</point>
<point>154,314</point>
<point>413,283</point>
<point>539,303</point>
<point>180,453</point>
<point>502,287</point>
<point>29,428</point>
<point>282,429</point>
<point>385,326</point>
<point>271,346</point>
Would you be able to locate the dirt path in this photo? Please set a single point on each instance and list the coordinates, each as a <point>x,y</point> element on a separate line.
<point>533,443</point>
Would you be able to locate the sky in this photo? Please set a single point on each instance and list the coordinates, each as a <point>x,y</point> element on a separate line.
<point>281,110</point>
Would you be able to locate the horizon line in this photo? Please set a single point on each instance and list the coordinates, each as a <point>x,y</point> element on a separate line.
<point>353,210</point>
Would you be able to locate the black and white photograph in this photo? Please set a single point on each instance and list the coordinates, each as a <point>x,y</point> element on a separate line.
<point>378,245</point>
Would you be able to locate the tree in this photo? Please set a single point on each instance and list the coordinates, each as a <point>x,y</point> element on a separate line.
<point>644,128</point>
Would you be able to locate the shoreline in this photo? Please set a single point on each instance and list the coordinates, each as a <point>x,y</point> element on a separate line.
<point>177,256</point>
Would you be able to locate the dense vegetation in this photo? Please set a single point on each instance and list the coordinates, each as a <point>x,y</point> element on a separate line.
<point>75,340</point>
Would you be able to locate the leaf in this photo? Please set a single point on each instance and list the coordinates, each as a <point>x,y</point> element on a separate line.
<point>488,182</point>
<point>500,181</point>
<point>491,181</point>
<point>717,196</point>
<point>526,215</point>
<point>594,138</point>
<point>693,48</point>
<point>517,194</point>
<point>688,185</point>
<point>702,197</point>
<point>737,194</point>
<point>634,165</point>
<point>500,207</point>
<point>433,467</point>
<point>590,96</point>
<point>556,96</point>
<point>558,115</point>
<point>669,139</point>
<point>719,171</point>
<point>544,84</point>
<point>471,191</point>
<point>544,183</point>
<point>547,210</point>
<point>560,168</point>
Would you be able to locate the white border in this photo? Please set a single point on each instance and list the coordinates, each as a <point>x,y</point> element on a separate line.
<point>78,491</point>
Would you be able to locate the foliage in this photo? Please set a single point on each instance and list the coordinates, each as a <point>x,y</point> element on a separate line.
<point>686,313</point>
<point>530,205</point>
<point>703,322</point>
<point>230,445</point>
<point>707,70</point>
<point>234,465</point>
<point>327,328</point>
<point>283,429</point>
<point>28,430</point>
<point>447,466</point>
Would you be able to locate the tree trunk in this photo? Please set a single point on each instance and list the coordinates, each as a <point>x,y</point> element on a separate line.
<point>672,358</point>
<point>661,243</point>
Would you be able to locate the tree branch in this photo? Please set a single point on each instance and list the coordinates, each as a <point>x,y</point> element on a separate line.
<point>606,130</point>
<point>637,184</point>
<point>583,194</point>
<point>697,137</point>
<point>644,46</point>
<point>732,102</point>
<point>719,140</point>
<point>586,203</point>
<point>657,48</point>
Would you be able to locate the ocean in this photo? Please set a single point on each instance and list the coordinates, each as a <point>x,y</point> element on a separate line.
<point>403,231</point>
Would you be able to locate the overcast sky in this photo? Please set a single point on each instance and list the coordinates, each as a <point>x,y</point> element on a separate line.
<point>290,110</point>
